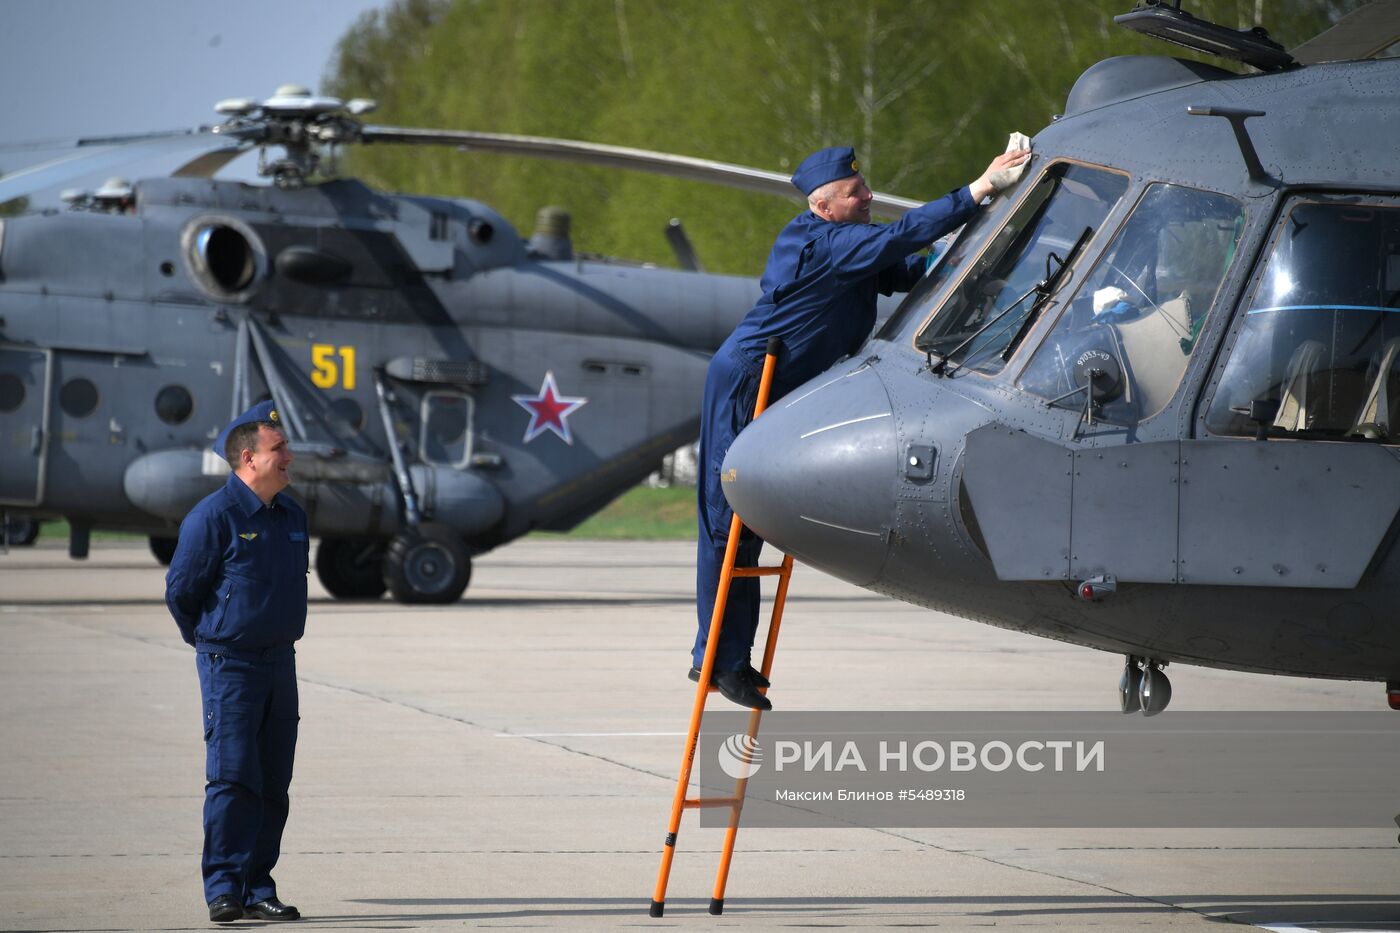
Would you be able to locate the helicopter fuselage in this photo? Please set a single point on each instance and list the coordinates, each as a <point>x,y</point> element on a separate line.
<point>1143,403</point>
<point>525,390</point>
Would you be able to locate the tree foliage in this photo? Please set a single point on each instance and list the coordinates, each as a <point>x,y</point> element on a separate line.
<point>927,93</point>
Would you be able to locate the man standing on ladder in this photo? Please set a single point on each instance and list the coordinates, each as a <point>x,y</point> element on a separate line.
<point>819,294</point>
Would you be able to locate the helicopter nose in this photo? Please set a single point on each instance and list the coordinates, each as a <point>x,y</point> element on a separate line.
<point>814,475</point>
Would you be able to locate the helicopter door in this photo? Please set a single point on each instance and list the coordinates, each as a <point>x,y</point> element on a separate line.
<point>25,389</point>
<point>1047,511</point>
<point>1296,481</point>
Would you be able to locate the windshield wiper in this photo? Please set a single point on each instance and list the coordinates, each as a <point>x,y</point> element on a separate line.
<point>1048,286</point>
<point>1042,290</point>
<point>938,367</point>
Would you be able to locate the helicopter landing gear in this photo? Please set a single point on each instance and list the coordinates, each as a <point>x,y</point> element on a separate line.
<point>429,565</point>
<point>1156,690</point>
<point>163,549</point>
<point>1144,686</point>
<point>351,568</point>
<point>19,532</point>
<point>1128,686</point>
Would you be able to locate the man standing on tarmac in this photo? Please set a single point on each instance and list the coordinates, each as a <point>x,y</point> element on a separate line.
<point>819,294</point>
<point>237,590</point>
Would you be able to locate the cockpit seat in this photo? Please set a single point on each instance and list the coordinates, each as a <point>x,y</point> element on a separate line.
<point>1297,398</point>
<point>1374,419</point>
<point>1152,348</point>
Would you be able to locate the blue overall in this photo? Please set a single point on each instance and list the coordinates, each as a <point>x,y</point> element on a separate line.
<point>819,293</point>
<point>237,590</point>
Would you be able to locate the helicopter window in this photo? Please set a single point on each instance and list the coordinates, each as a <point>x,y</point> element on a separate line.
<point>446,419</point>
<point>78,397</point>
<point>991,309</point>
<point>1318,352</point>
<point>174,405</point>
<point>1144,303</point>
<point>11,392</point>
<point>348,413</point>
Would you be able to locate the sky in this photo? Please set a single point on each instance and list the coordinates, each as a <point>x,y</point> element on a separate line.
<point>72,68</point>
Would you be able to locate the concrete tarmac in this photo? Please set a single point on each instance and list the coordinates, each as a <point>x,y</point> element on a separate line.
<point>509,762</point>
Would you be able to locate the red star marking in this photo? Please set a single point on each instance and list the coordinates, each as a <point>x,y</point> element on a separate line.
<point>549,411</point>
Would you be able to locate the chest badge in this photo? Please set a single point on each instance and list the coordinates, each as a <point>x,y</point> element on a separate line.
<point>248,535</point>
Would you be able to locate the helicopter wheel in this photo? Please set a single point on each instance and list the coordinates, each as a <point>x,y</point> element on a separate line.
<point>430,565</point>
<point>163,549</point>
<point>1156,690</point>
<point>1130,685</point>
<point>351,568</point>
<point>22,532</point>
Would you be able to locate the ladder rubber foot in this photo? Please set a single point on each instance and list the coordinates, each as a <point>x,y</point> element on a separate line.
<point>658,908</point>
<point>716,905</point>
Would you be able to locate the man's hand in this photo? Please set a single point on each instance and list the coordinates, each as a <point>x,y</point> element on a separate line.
<point>1002,173</point>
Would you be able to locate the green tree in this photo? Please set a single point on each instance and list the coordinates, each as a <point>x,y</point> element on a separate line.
<point>926,94</point>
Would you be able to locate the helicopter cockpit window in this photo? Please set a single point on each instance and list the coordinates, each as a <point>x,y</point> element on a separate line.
<point>446,418</point>
<point>985,317</point>
<point>1143,305</point>
<point>1318,356</point>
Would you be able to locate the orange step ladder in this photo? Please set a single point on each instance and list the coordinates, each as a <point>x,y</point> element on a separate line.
<point>735,802</point>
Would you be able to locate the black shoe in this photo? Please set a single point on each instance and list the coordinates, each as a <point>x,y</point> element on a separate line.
<point>271,909</point>
<point>225,909</point>
<point>758,679</point>
<point>738,687</point>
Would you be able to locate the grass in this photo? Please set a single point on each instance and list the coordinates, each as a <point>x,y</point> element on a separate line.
<point>641,514</point>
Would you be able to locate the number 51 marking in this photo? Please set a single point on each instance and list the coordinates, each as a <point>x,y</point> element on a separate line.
<point>324,371</point>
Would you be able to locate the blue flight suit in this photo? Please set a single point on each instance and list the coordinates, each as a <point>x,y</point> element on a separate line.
<point>237,590</point>
<point>819,294</point>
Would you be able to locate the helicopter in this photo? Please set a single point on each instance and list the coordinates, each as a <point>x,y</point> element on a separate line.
<point>1149,400</point>
<point>447,385</point>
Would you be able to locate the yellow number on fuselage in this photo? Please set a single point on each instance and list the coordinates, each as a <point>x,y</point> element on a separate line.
<point>325,373</point>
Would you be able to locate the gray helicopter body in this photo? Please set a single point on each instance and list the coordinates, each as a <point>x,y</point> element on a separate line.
<point>1229,497</point>
<point>128,339</point>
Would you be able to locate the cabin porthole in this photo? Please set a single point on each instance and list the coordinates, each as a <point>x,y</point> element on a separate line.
<point>78,398</point>
<point>174,404</point>
<point>11,392</point>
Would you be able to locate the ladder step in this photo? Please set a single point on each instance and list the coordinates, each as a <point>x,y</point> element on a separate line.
<point>702,802</point>
<point>758,571</point>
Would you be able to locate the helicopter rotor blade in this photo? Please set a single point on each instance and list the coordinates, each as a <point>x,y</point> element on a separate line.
<point>102,155</point>
<point>1362,33</point>
<point>646,160</point>
<point>207,164</point>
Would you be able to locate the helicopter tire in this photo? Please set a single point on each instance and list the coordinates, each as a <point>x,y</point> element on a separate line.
<point>351,568</point>
<point>163,548</point>
<point>22,532</point>
<point>1130,687</point>
<point>430,565</point>
<point>1155,691</point>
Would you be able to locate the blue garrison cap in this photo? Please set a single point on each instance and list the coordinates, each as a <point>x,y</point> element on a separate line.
<point>824,166</point>
<point>263,411</point>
